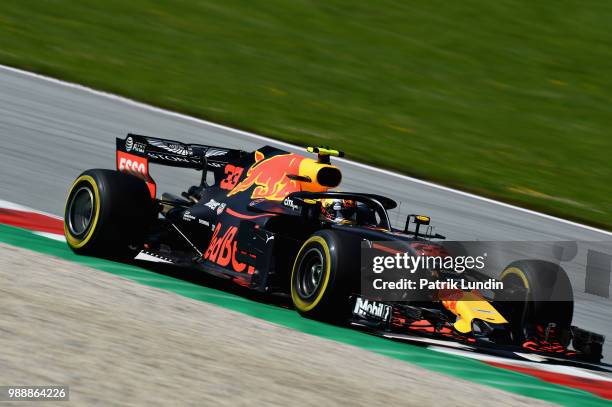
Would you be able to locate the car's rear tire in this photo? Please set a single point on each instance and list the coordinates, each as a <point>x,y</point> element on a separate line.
<point>324,275</point>
<point>107,211</point>
<point>543,293</point>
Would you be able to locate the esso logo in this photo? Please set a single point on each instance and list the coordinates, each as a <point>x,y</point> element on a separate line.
<point>129,165</point>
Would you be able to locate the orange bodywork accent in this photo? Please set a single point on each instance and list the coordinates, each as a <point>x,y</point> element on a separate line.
<point>271,176</point>
<point>386,249</point>
<point>232,212</point>
<point>422,325</point>
<point>468,306</point>
<point>137,166</point>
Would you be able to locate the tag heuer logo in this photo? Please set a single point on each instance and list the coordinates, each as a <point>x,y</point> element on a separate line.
<point>221,208</point>
<point>212,204</point>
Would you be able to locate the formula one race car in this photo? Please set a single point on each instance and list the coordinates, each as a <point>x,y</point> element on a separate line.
<point>268,220</point>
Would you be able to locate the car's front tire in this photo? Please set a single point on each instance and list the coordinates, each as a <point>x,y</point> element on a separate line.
<point>543,295</point>
<point>324,275</point>
<point>105,212</point>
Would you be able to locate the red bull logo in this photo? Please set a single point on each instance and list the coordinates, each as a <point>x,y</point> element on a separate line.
<point>270,177</point>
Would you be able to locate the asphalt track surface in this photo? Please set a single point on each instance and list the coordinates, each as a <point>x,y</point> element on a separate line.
<point>50,132</point>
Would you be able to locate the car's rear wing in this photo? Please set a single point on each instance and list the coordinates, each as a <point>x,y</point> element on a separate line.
<point>135,152</point>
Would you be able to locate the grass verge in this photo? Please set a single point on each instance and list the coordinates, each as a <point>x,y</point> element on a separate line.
<point>508,99</point>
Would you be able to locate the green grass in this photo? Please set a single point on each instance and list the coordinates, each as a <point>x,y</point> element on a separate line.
<point>509,99</point>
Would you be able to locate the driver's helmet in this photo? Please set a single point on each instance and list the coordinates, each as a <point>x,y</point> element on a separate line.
<point>341,211</point>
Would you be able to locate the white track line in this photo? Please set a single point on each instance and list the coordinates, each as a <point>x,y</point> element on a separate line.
<point>151,108</point>
<point>560,369</point>
<point>12,205</point>
<point>48,235</point>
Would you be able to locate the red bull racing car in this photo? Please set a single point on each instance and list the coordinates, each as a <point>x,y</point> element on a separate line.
<point>270,220</point>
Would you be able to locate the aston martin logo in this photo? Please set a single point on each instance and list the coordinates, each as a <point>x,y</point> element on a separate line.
<point>174,148</point>
<point>215,152</point>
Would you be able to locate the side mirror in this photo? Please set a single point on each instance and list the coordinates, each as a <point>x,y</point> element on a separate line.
<point>418,220</point>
